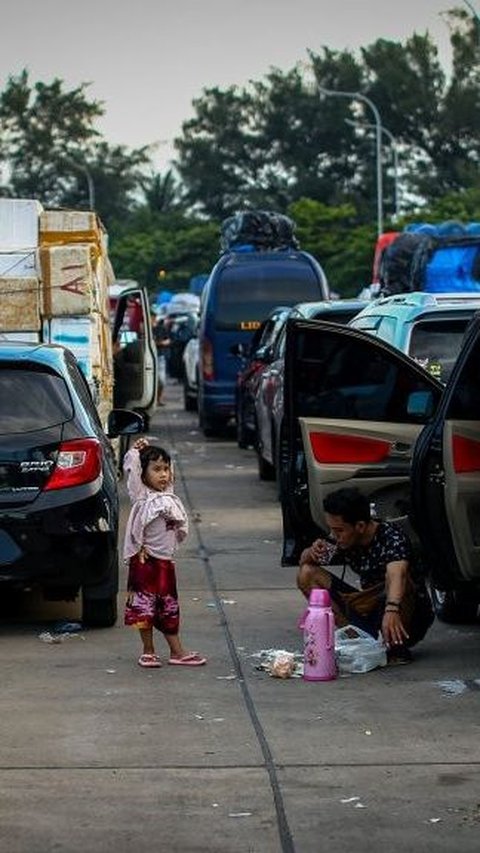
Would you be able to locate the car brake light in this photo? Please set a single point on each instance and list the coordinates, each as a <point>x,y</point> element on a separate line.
<point>78,462</point>
<point>207,361</point>
<point>466,454</point>
<point>348,449</point>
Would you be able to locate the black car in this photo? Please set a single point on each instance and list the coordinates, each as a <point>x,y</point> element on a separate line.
<point>259,353</point>
<point>58,481</point>
<point>359,412</point>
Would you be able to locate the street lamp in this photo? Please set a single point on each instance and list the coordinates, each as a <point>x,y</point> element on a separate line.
<point>358,96</point>
<point>81,167</point>
<point>394,147</point>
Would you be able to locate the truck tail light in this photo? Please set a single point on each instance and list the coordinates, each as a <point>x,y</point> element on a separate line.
<point>208,366</point>
<point>466,454</point>
<point>331,448</point>
<point>79,461</point>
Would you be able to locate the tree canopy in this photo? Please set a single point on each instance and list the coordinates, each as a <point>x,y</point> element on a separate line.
<point>275,144</point>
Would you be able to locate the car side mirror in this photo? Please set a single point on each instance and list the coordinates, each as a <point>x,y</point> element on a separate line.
<point>420,404</point>
<point>124,422</point>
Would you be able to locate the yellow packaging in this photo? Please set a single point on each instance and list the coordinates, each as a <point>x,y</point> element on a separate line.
<point>70,226</point>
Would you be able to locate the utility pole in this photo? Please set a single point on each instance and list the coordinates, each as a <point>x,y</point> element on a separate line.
<point>359,96</point>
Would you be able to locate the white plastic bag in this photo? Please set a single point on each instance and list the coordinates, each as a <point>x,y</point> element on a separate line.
<point>356,651</point>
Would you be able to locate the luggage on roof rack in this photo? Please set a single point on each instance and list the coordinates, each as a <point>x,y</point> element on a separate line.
<point>257,230</point>
<point>435,258</point>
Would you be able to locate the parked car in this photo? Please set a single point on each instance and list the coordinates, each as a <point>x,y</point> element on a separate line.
<point>360,412</point>
<point>242,289</point>
<point>190,361</point>
<point>258,354</point>
<point>268,400</point>
<point>181,328</point>
<point>428,327</point>
<point>58,481</point>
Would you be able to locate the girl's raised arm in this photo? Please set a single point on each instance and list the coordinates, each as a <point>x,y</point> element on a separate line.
<point>131,465</point>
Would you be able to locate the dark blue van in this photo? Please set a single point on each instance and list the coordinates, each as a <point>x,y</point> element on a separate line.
<point>242,289</point>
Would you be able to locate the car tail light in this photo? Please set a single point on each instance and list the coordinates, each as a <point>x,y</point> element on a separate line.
<point>466,454</point>
<point>78,461</point>
<point>348,449</point>
<point>207,361</point>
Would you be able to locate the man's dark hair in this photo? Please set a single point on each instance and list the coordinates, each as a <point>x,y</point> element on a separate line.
<point>349,504</point>
<point>151,454</point>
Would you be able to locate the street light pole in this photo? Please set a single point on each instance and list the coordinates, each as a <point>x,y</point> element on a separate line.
<point>394,147</point>
<point>81,167</point>
<point>358,96</point>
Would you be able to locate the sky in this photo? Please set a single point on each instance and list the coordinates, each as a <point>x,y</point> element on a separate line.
<point>146,60</point>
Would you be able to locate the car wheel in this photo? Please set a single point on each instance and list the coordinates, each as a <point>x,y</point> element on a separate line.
<point>266,471</point>
<point>189,402</point>
<point>211,427</point>
<point>99,604</point>
<point>456,606</point>
<point>244,435</point>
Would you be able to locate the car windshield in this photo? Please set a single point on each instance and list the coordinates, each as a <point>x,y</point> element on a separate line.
<point>246,294</point>
<point>32,400</point>
<point>435,345</point>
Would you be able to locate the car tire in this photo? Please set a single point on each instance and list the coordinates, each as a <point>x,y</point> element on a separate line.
<point>455,606</point>
<point>189,402</point>
<point>99,605</point>
<point>245,438</point>
<point>266,470</point>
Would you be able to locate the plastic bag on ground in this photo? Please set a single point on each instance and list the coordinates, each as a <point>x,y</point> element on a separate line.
<point>357,652</point>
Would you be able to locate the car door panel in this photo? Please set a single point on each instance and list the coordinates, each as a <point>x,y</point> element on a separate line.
<point>347,422</point>
<point>461,449</point>
<point>135,359</point>
<point>446,475</point>
<point>372,456</point>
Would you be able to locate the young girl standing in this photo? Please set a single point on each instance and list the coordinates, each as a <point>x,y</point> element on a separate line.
<point>156,525</point>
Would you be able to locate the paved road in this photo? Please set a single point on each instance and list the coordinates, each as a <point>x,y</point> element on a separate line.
<point>98,755</point>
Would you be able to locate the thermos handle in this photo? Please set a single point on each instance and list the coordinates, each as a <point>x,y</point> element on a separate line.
<point>331,629</point>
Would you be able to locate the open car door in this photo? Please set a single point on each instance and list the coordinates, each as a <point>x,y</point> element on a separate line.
<point>354,407</point>
<point>134,352</point>
<point>446,488</point>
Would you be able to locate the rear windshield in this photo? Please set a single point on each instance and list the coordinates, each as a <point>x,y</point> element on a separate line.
<point>247,293</point>
<point>436,344</point>
<point>31,400</point>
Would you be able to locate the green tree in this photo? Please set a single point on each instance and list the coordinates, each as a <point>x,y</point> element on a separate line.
<point>180,246</point>
<point>52,151</point>
<point>277,141</point>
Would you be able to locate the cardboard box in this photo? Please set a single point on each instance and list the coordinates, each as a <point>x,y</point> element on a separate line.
<point>70,226</point>
<point>20,304</point>
<point>70,286</point>
<point>19,223</point>
<point>18,264</point>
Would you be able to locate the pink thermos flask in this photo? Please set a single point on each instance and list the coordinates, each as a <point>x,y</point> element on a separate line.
<point>319,638</point>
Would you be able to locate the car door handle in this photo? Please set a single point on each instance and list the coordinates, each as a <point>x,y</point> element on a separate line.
<point>400,448</point>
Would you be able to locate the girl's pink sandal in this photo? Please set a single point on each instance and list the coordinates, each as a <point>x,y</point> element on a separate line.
<point>192,659</point>
<point>152,661</point>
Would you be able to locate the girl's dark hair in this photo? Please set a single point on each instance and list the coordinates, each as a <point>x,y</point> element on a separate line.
<point>151,454</point>
<point>349,504</point>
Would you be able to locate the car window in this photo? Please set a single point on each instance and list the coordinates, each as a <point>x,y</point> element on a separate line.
<point>435,345</point>
<point>246,294</point>
<point>32,399</point>
<point>352,379</point>
<point>465,401</point>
